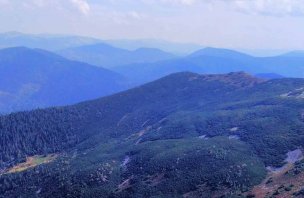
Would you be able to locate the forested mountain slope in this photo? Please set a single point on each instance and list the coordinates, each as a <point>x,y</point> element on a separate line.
<point>185,135</point>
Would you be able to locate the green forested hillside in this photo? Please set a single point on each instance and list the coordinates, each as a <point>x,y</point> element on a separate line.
<point>185,135</point>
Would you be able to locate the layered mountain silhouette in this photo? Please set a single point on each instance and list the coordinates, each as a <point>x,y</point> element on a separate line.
<point>214,60</point>
<point>32,78</point>
<point>108,56</point>
<point>43,41</point>
<point>27,72</point>
<point>298,53</point>
<point>54,42</point>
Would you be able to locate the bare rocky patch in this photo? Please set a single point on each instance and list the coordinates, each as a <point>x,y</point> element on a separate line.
<point>278,182</point>
<point>297,93</point>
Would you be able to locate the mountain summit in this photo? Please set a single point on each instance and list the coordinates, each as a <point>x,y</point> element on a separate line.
<point>218,52</point>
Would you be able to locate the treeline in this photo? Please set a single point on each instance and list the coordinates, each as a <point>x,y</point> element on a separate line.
<point>37,132</point>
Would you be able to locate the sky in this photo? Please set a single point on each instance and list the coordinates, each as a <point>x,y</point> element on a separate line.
<point>250,24</point>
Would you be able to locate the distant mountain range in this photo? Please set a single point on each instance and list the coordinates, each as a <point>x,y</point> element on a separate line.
<point>43,41</point>
<point>185,135</point>
<point>32,78</point>
<point>54,42</point>
<point>299,54</point>
<point>269,76</point>
<point>220,53</point>
<point>216,61</point>
<point>173,47</point>
<point>108,56</point>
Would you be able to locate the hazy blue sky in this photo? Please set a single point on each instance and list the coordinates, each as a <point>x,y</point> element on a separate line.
<point>276,24</point>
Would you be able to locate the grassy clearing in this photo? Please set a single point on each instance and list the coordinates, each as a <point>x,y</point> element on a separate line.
<point>32,162</point>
